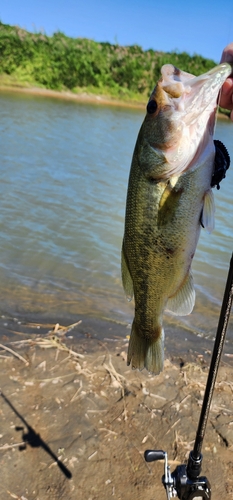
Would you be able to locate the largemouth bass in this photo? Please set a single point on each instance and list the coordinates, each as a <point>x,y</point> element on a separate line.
<point>169,198</point>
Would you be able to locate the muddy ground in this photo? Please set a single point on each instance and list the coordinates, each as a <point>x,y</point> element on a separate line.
<point>75,421</point>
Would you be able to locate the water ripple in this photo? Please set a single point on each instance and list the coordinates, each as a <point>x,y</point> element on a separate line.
<point>64,173</point>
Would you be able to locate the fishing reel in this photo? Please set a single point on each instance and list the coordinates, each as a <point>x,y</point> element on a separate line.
<point>185,482</point>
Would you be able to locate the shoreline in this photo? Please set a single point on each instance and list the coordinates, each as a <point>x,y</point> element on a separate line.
<point>182,344</point>
<point>82,97</point>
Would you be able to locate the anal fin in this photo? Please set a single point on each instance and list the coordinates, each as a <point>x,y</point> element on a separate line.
<point>207,218</point>
<point>182,302</point>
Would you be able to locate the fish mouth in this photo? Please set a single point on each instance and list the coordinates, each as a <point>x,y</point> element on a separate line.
<point>190,105</point>
<point>193,94</point>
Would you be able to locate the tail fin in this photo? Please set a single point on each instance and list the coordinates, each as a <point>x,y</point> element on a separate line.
<point>146,353</point>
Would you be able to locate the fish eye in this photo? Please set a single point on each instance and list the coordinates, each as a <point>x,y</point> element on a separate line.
<point>151,107</point>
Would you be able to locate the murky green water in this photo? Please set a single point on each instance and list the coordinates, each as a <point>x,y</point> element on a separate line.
<point>64,173</point>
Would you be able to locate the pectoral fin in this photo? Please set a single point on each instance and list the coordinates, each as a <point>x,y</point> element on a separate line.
<point>182,303</point>
<point>207,218</point>
<point>126,277</point>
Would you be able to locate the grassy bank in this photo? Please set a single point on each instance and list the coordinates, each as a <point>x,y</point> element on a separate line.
<point>81,65</point>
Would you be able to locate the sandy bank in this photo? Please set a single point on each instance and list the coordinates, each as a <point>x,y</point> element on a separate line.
<point>82,97</point>
<point>76,420</point>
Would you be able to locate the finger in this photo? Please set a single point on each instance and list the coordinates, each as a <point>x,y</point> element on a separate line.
<point>226,95</point>
<point>227,55</point>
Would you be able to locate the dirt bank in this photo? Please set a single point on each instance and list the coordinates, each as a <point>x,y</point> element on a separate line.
<point>76,421</point>
<point>82,97</point>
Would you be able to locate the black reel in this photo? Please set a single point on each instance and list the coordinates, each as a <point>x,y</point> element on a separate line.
<point>221,163</point>
<point>185,482</point>
<point>189,488</point>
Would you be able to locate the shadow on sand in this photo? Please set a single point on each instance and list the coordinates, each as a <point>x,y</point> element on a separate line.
<point>30,437</point>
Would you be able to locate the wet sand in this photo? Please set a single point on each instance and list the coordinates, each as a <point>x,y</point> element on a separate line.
<point>76,420</point>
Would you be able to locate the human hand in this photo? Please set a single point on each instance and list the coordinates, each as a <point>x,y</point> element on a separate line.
<point>226,95</point>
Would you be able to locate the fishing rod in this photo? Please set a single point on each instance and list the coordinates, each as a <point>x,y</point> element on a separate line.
<point>185,482</point>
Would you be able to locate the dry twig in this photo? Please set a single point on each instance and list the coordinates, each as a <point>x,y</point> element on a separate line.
<point>8,349</point>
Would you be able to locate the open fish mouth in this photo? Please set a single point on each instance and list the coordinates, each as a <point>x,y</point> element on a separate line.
<point>188,106</point>
<point>193,94</point>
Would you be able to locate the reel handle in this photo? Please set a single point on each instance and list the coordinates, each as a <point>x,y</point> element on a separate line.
<point>153,455</point>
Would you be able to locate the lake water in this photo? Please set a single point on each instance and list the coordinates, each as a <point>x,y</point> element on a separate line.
<point>64,173</point>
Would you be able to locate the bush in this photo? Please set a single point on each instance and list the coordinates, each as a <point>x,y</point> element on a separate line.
<point>60,62</point>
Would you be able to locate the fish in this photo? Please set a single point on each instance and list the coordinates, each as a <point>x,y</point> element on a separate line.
<point>169,198</point>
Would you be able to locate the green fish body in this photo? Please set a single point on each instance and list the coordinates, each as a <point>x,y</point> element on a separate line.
<point>169,197</point>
